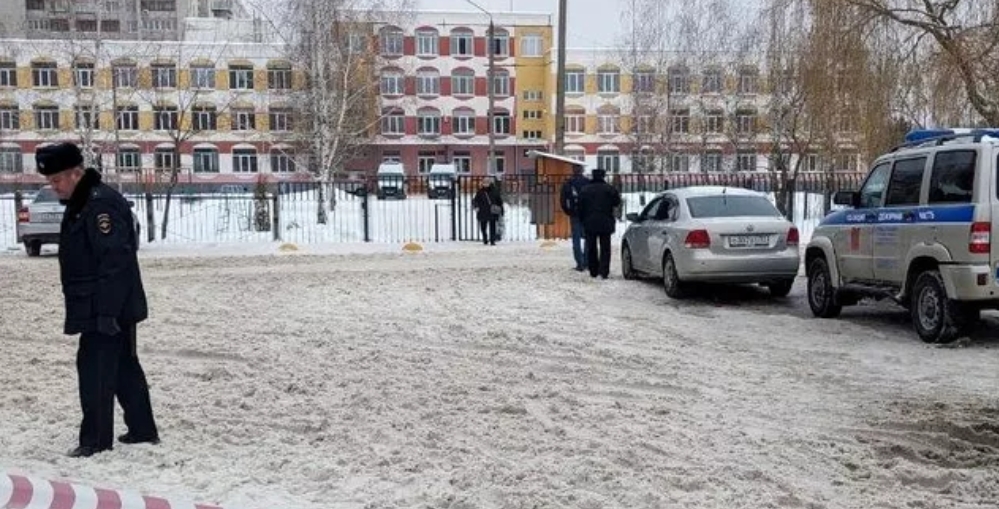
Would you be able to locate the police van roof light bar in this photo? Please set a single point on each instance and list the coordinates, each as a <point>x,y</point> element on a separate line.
<point>918,137</point>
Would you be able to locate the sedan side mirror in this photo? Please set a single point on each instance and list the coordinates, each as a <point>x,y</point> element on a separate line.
<point>633,217</point>
<point>849,198</point>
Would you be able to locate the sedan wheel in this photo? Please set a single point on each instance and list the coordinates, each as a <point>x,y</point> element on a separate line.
<point>675,288</point>
<point>627,266</point>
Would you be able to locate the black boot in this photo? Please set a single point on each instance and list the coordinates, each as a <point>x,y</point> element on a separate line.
<point>129,438</point>
<point>85,451</point>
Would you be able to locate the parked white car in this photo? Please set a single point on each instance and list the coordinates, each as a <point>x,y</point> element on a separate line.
<point>711,234</point>
<point>39,222</point>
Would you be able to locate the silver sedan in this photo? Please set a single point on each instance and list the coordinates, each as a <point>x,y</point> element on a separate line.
<point>712,235</point>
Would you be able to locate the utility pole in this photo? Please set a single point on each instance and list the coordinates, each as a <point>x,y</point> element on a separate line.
<point>491,48</point>
<point>560,81</point>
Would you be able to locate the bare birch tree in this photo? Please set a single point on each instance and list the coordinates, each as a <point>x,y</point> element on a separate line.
<point>337,109</point>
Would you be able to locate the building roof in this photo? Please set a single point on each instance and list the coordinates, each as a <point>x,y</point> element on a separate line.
<point>537,153</point>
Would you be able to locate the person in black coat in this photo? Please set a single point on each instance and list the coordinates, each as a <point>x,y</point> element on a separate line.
<point>104,299</point>
<point>488,204</point>
<point>570,205</point>
<point>597,202</point>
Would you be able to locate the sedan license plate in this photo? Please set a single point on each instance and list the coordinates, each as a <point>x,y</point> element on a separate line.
<point>47,217</point>
<point>748,240</point>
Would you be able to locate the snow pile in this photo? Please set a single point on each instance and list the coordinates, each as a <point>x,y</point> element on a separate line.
<point>498,378</point>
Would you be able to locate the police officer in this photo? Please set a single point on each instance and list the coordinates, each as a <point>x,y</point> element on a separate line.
<point>597,202</point>
<point>104,299</point>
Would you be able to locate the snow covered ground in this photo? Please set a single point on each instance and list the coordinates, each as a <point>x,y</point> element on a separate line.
<point>480,377</point>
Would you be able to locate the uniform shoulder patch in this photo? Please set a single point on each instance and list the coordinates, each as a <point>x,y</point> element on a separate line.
<point>104,223</point>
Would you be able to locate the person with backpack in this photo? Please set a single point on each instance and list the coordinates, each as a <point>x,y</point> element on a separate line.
<point>570,205</point>
<point>597,203</point>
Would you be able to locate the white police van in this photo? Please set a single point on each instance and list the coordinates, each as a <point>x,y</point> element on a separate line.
<point>919,232</point>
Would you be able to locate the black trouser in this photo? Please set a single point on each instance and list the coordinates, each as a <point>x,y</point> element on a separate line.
<point>488,228</point>
<point>108,366</point>
<point>598,260</point>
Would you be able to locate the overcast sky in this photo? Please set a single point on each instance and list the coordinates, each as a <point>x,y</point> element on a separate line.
<point>592,23</point>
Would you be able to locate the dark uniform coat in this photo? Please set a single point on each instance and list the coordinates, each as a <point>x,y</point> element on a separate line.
<point>483,201</point>
<point>597,202</point>
<point>97,259</point>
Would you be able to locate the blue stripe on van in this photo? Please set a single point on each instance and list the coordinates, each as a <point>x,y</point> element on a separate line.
<point>896,215</point>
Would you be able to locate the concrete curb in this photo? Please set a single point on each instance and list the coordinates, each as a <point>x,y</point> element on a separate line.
<point>20,492</point>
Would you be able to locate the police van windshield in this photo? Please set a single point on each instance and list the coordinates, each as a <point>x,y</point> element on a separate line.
<point>731,206</point>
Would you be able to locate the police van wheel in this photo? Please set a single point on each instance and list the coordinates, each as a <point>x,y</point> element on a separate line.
<point>33,247</point>
<point>937,318</point>
<point>821,294</point>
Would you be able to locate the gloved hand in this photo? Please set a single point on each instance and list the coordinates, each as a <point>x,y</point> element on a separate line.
<point>108,326</point>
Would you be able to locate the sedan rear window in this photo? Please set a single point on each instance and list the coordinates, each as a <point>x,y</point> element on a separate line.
<point>731,206</point>
<point>46,195</point>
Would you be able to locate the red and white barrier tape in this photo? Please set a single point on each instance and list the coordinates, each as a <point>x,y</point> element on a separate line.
<point>19,492</point>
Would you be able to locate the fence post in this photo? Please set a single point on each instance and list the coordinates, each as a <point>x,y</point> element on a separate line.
<point>276,216</point>
<point>367,216</point>
<point>455,190</point>
<point>150,218</point>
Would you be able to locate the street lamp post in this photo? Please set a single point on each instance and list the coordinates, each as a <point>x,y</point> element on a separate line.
<point>490,41</point>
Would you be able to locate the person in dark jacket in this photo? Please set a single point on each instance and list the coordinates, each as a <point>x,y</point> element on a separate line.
<point>104,299</point>
<point>488,204</point>
<point>570,205</point>
<point>597,203</point>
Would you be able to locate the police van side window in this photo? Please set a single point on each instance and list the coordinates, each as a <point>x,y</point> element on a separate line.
<point>953,176</point>
<point>874,187</point>
<point>906,181</point>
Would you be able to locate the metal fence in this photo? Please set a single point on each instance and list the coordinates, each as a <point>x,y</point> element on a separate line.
<point>402,209</point>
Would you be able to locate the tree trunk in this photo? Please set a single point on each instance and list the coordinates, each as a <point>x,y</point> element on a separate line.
<point>321,216</point>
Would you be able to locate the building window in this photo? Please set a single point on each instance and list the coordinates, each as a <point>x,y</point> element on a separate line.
<point>83,75</point>
<point>240,77</point>
<point>745,122</point>
<point>424,161</point>
<point>679,80</point>
<point>609,160</point>
<point>501,84</point>
<point>576,154</point>
<point>46,117</point>
<point>679,121</point>
<point>501,43</point>
<point>203,77</point>
<point>8,74</point>
<point>532,135</point>
<point>426,43</point>
<point>127,118</point>
<point>608,82</point>
<point>501,122</point>
<point>35,5</point>
<point>748,81</point>
<point>496,164</point>
<point>44,75</point>
<point>129,159</point>
<point>11,160</point>
<point>609,123</point>
<point>244,160</point>
<point>87,117</point>
<point>461,43</point>
<point>462,162</point>
<point>429,123</point>
<point>463,82</point>
<point>279,77</point>
<point>711,162</point>
<point>244,120</point>
<point>575,82</point>
<point>391,41</point>
<point>125,76</point>
<point>282,162</point>
<point>394,123</point>
<point>204,118</point>
<point>463,123</point>
<point>533,95</point>
<point>532,45</point>
<point>279,119</point>
<point>164,75</point>
<point>163,159</point>
<point>10,118</point>
<point>206,160</point>
<point>428,82</point>
<point>745,161</point>
<point>712,81</point>
<point>679,163</point>
<point>645,82</point>
<point>165,118</point>
<point>392,83</point>
<point>575,122</point>
<point>159,5</point>
<point>532,114</point>
<point>715,122</point>
<point>159,24</point>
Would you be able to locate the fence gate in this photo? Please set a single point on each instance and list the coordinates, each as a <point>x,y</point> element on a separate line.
<point>465,222</point>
